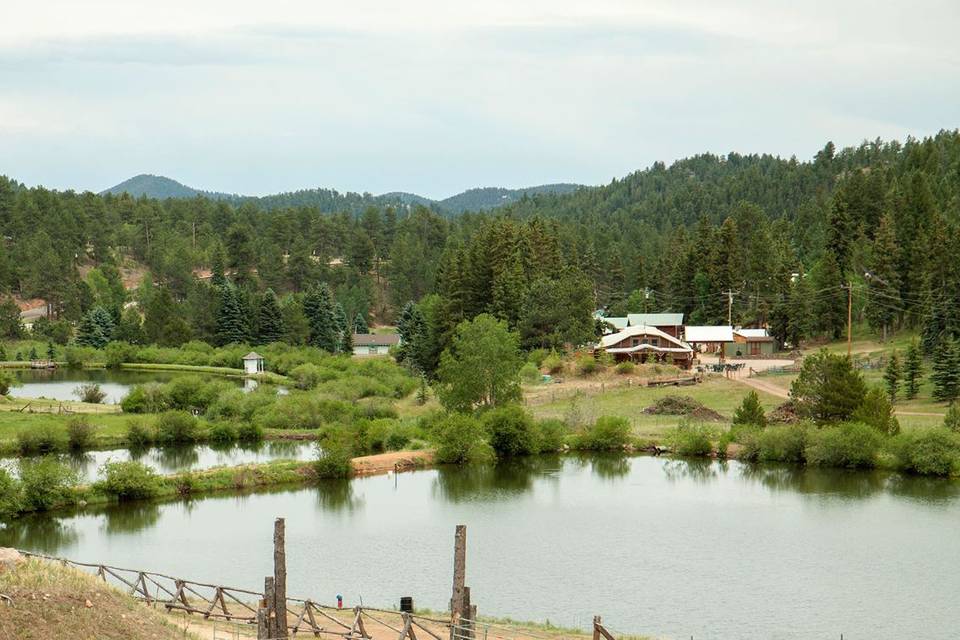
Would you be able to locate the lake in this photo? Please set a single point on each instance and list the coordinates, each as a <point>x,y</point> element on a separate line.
<point>59,384</point>
<point>174,459</point>
<point>662,547</point>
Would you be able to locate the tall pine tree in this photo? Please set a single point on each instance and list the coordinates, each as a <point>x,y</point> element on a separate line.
<point>269,319</point>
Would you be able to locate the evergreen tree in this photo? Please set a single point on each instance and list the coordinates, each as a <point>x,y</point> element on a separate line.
<point>51,352</point>
<point>800,319</point>
<point>883,282</point>
<point>130,327</point>
<point>344,331</point>
<point>90,333</point>
<point>946,372</point>
<point>830,301</point>
<point>360,324</point>
<point>104,320</point>
<point>318,308</point>
<point>952,419</point>
<point>218,266</point>
<point>33,353</point>
<point>750,411</point>
<point>912,370</point>
<point>269,319</point>
<point>232,324</point>
<point>891,377</point>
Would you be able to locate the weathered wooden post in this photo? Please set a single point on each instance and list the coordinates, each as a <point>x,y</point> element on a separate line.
<point>462,614</point>
<point>265,614</point>
<point>279,579</point>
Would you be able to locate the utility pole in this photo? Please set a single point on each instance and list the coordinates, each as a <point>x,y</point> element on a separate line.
<point>729,306</point>
<point>849,319</point>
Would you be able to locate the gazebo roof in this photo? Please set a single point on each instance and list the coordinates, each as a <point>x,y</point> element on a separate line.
<point>253,355</point>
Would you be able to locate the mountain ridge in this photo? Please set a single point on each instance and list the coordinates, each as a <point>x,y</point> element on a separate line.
<point>475,199</point>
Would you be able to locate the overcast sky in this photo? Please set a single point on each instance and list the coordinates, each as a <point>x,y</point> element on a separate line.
<point>436,97</point>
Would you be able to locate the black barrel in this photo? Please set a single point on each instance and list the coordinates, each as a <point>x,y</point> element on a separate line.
<point>406,604</point>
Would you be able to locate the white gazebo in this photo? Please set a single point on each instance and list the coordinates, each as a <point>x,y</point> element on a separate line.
<point>253,363</point>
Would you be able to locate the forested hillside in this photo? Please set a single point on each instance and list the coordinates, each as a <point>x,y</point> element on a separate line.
<point>780,238</point>
<point>161,188</point>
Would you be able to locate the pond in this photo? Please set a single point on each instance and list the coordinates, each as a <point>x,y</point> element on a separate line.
<point>662,547</point>
<point>59,384</point>
<point>167,460</point>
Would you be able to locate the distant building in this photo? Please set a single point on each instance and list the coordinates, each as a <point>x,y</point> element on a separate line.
<point>708,339</point>
<point>374,344</point>
<point>751,342</point>
<point>669,323</point>
<point>647,344</point>
<point>253,363</point>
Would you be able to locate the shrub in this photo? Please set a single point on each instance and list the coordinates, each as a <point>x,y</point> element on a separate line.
<point>512,431</point>
<point>877,411</point>
<point>144,398</point>
<point>80,433</point>
<point>9,494</point>
<point>222,433</point>
<point>176,427</point>
<point>45,484</point>
<point>77,357</point>
<point>952,420</point>
<point>933,451</point>
<point>828,388</point>
<point>116,353</point>
<point>529,373</point>
<point>374,408</point>
<point>776,443</point>
<point>185,483</point>
<point>460,439</point>
<point>626,367</point>
<point>607,433</point>
<point>308,376</point>
<point>128,480</point>
<point>552,432</point>
<point>688,439</point>
<point>587,365</point>
<point>850,444</point>
<point>139,434</point>
<point>553,363</point>
<point>750,411</point>
<point>90,392</point>
<point>42,439</point>
<point>7,381</point>
<point>333,458</point>
<point>249,432</point>
<point>537,356</point>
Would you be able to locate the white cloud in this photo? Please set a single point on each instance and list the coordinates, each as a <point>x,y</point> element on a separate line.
<point>437,96</point>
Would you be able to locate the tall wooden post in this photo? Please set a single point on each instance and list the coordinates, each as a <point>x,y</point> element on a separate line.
<point>459,569</point>
<point>266,616</point>
<point>280,579</point>
<point>849,319</point>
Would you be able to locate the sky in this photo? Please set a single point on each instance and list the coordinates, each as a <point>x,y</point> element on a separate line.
<point>434,97</point>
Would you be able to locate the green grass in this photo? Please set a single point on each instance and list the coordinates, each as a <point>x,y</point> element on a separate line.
<point>717,393</point>
<point>111,428</point>
<point>147,366</point>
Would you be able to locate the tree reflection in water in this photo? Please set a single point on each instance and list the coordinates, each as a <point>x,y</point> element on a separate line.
<point>337,495</point>
<point>37,532</point>
<point>130,517</point>
<point>700,470</point>
<point>175,458</point>
<point>491,482</point>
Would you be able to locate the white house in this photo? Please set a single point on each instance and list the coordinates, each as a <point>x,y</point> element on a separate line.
<point>708,339</point>
<point>373,344</point>
<point>253,363</point>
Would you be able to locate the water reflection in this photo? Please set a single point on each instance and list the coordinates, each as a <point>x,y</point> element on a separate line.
<point>493,482</point>
<point>337,495</point>
<point>38,532</point>
<point>699,470</point>
<point>606,466</point>
<point>130,517</point>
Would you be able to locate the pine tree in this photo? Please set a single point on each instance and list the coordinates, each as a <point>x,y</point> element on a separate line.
<point>360,324</point>
<point>269,319</point>
<point>891,377</point>
<point>884,281</point>
<point>946,372</point>
<point>952,419</point>
<point>218,266</point>
<point>104,320</point>
<point>232,325</point>
<point>799,315</point>
<point>344,331</point>
<point>912,370</point>
<point>90,333</point>
<point>33,353</point>
<point>318,307</point>
<point>750,411</point>
<point>830,302</point>
<point>51,352</point>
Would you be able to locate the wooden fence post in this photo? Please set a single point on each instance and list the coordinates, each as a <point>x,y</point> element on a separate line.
<point>280,578</point>
<point>268,628</point>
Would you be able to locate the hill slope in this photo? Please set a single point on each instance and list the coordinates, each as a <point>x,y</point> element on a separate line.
<point>161,188</point>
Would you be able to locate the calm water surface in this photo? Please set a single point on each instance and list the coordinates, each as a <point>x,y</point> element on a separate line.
<point>662,547</point>
<point>167,460</point>
<point>60,384</point>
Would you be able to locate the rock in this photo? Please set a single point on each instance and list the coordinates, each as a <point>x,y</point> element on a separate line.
<point>9,558</point>
<point>88,604</point>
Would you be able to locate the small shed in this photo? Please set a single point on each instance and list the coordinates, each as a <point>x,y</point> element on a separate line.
<point>253,363</point>
<point>708,339</point>
<point>751,342</point>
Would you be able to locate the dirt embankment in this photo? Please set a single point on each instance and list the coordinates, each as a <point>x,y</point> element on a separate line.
<point>390,462</point>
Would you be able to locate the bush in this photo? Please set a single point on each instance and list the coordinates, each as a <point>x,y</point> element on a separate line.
<point>77,357</point>
<point>7,381</point>
<point>42,439</point>
<point>249,432</point>
<point>333,458</point>
<point>587,365</point>
<point>222,433</point>
<point>553,363</point>
<point>850,444</point>
<point>952,420</point>
<point>308,376</point>
<point>877,411</point>
<point>626,367</point>
<point>512,431</point>
<point>687,439</point>
<point>45,484</point>
<point>529,373</point>
<point>552,432</point>
<point>80,433</point>
<point>934,451</point>
<point>607,433</point>
<point>90,392</point>
<point>144,398</point>
<point>460,439</point>
<point>139,434</point>
<point>176,427</point>
<point>128,480</point>
<point>776,443</point>
<point>9,494</point>
<point>116,353</point>
<point>537,356</point>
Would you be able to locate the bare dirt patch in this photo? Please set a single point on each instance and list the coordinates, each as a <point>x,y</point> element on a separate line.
<point>674,405</point>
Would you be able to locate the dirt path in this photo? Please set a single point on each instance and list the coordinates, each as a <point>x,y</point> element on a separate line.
<point>391,461</point>
<point>780,392</point>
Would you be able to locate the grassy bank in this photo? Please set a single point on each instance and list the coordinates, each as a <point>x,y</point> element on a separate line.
<point>53,601</point>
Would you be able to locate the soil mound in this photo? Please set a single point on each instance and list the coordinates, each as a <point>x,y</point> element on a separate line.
<point>674,405</point>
